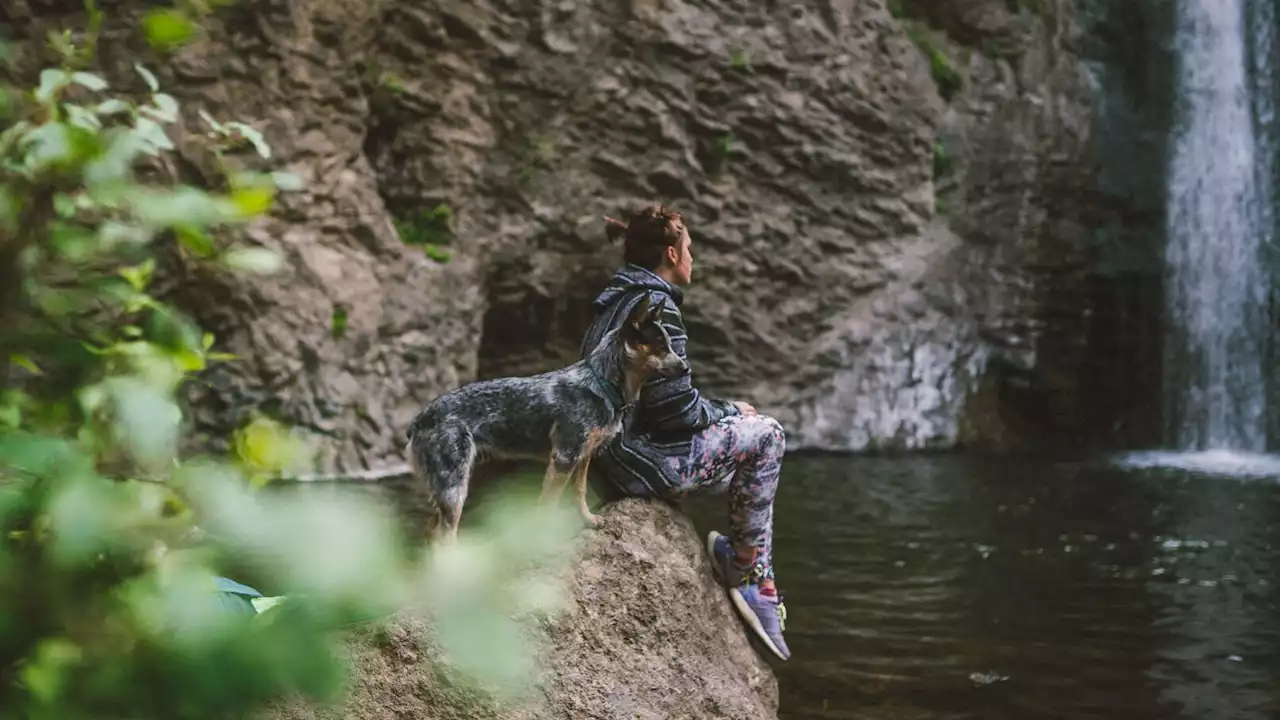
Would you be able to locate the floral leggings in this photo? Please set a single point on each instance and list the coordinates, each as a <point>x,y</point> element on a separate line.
<point>743,454</point>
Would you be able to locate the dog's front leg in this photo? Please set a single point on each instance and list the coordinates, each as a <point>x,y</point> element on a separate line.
<point>580,477</point>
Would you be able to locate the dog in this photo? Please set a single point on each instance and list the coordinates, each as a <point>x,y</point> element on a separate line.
<point>563,416</point>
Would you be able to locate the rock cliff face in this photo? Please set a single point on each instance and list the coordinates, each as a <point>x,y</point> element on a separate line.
<point>889,205</point>
<point>647,634</point>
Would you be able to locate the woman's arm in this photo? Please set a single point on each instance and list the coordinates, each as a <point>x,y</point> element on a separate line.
<point>673,403</point>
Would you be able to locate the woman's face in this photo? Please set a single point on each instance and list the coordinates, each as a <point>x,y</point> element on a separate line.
<point>681,258</point>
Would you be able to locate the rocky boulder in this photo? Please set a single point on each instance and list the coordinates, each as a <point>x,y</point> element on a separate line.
<point>647,634</point>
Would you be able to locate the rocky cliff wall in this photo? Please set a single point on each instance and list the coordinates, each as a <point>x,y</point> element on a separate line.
<point>889,204</point>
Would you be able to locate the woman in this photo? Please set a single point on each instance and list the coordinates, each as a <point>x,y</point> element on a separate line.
<point>680,441</point>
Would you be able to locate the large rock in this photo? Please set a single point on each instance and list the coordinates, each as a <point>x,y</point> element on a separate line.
<point>647,634</point>
<point>847,281</point>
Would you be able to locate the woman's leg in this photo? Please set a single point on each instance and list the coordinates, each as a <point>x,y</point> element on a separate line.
<point>743,455</point>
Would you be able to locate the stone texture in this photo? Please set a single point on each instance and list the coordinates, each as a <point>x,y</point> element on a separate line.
<point>620,651</point>
<point>839,284</point>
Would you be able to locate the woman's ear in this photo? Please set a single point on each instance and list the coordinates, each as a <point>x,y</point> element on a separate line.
<point>672,254</point>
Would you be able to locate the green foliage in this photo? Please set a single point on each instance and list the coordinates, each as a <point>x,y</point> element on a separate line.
<point>167,29</point>
<point>945,76</point>
<point>740,60</point>
<point>721,150</point>
<point>542,151</point>
<point>430,230</point>
<point>942,161</point>
<point>392,82</point>
<point>108,605</point>
<point>338,322</point>
<point>898,9</point>
<point>536,156</point>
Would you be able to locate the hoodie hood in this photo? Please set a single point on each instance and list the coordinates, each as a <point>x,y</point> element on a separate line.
<point>632,278</point>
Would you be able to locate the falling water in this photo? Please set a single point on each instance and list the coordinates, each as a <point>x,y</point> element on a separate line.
<point>1218,228</point>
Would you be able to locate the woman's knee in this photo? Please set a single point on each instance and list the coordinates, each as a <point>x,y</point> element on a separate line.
<point>769,433</point>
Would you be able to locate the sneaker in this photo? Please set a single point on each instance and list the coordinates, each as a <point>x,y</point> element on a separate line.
<point>724,561</point>
<point>765,615</point>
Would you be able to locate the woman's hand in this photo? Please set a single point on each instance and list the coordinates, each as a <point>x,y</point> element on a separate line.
<point>744,408</point>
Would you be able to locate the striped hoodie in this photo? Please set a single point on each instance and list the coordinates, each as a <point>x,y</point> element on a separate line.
<point>670,410</point>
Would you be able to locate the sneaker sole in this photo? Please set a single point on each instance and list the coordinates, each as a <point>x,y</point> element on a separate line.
<point>711,553</point>
<point>753,622</point>
<point>740,603</point>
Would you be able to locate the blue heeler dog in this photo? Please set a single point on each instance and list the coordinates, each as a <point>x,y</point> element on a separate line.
<point>565,415</point>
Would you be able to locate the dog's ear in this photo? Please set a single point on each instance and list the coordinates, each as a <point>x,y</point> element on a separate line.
<point>639,314</point>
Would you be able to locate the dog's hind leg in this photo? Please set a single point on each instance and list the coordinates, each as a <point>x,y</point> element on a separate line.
<point>559,468</point>
<point>559,472</point>
<point>434,521</point>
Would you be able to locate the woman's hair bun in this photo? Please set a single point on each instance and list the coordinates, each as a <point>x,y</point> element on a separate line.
<point>614,229</point>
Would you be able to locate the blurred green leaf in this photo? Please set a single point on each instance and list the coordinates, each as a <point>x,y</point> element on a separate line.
<point>146,418</point>
<point>147,77</point>
<point>251,135</point>
<point>25,363</point>
<point>113,166</point>
<point>52,80</point>
<point>89,80</point>
<point>114,106</point>
<point>152,136</point>
<point>166,208</point>
<point>44,675</point>
<point>9,209</point>
<point>260,261</point>
<point>49,145</point>
<point>112,234</point>
<point>287,182</point>
<point>167,29</point>
<point>213,124</point>
<point>165,109</point>
<point>82,118</point>
<point>253,201</point>
<point>195,240</point>
<point>139,277</point>
<point>266,448</point>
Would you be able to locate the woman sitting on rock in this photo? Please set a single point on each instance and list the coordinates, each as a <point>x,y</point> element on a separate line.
<point>680,441</point>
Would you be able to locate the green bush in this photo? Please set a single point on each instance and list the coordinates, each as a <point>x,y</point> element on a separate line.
<point>110,539</point>
<point>945,76</point>
<point>430,230</point>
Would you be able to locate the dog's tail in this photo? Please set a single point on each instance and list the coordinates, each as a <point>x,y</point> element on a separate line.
<point>441,456</point>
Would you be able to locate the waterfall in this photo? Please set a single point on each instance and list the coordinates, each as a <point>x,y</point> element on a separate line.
<point>1219,229</point>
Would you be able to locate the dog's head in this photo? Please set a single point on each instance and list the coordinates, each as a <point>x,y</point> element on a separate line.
<point>647,344</point>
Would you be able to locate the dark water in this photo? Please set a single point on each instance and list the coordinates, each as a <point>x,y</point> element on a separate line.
<point>997,588</point>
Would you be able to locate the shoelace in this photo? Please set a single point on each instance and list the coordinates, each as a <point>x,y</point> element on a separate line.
<point>782,614</point>
<point>754,574</point>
